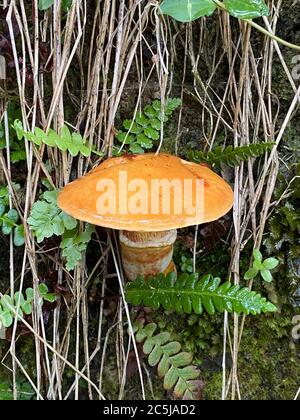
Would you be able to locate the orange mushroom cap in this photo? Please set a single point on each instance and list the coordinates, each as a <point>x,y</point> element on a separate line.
<point>80,198</point>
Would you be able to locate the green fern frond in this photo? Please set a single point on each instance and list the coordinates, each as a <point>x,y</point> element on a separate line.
<point>187,294</point>
<point>231,156</point>
<point>174,365</point>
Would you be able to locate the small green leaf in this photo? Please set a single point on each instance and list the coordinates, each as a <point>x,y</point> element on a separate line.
<point>29,294</point>
<point>144,141</point>
<point>132,127</point>
<point>51,196</point>
<point>142,120</point>
<point>6,319</point>
<point>251,274</point>
<point>163,366</point>
<point>155,124</point>
<point>19,299</point>
<point>150,112</point>
<point>173,103</point>
<point>2,207</point>
<point>180,388</point>
<point>46,219</point>
<point>73,245</point>
<point>18,127</point>
<point>171,378</point>
<point>45,4</point>
<point>7,302</point>
<point>247,9</point>
<point>51,139</point>
<point>43,289</point>
<point>257,255</point>
<point>171,348</point>
<point>19,236</point>
<point>39,136</point>
<point>151,133</point>
<point>136,149</point>
<point>187,10</point>
<point>269,307</point>
<point>50,297</point>
<point>181,359</point>
<point>266,275</point>
<point>65,139</point>
<point>124,138</point>
<point>13,215</point>
<point>27,308</point>
<point>155,356</point>
<point>270,263</point>
<point>69,221</point>
<point>85,150</point>
<point>156,106</point>
<point>7,226</point>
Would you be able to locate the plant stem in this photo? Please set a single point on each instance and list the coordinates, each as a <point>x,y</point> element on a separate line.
<point>261,29</point>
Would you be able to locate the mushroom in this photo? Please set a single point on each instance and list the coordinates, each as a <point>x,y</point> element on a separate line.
<point>147,198</point>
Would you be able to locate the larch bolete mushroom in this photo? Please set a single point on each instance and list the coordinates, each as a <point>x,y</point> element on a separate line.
<point>147,198</point>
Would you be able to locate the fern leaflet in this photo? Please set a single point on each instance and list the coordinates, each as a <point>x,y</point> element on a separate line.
<point>172,364</point>
<point>187,294</point>
<point>231,156</point>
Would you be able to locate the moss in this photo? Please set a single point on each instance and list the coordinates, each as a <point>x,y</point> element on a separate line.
<point>268,367</point>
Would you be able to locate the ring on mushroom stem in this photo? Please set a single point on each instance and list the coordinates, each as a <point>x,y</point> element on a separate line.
<point>147,198</point>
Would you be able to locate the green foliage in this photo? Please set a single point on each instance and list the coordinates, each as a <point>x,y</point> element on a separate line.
<point>65,141</point>
<point>44,293</point>
<point>190,10</point>
<point>247,9</point>
<point>231,156</point>
<point>16,147</point>
<point>172,364</point>
<point>187,294</point>
<point>9,218</point>
<point>25,391</point>
<point>186,264</point>
<point>144,130</point>
<point>46,219</point>
<point>74,243</point>
<point>21,304</point>
<point>46,4</point>
<point>262,267</point>
<point>284,229</point>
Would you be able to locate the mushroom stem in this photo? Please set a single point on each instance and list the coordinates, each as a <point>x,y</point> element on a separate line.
<point>147,253</point>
